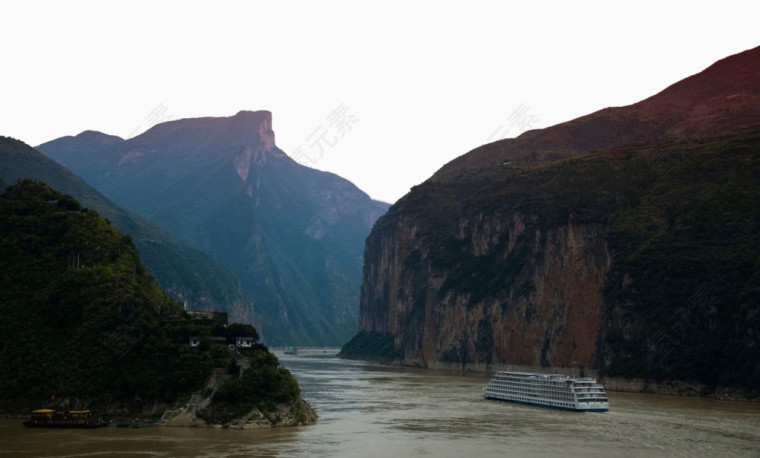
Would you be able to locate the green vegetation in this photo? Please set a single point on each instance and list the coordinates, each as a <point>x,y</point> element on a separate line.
<point>182,272</point>
<point>262,386</point>
<point>81,317</point>
<point>687,274</point>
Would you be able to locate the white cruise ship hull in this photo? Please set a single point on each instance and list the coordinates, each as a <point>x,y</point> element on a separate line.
<point>548,390</point>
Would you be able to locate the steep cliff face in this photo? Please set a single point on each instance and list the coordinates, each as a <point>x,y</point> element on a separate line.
<point>625,241</point>
<point>508,291</point>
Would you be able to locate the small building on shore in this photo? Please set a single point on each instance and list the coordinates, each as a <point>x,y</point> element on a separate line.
<point>240,342</point>
<point>244,342</point>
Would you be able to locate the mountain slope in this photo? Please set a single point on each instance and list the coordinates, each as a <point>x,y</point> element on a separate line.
<point>85,326</point>
<point>292,235</point>
<point>81,316</point>
<point>625,241</point>
<point>186,274</point>
<point>722,97</point>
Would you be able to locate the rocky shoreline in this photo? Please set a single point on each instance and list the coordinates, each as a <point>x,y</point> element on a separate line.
<point>299,413</point>
<point>679,388</point>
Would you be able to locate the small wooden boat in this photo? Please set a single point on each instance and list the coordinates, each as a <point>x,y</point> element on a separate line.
<point>49,418</point>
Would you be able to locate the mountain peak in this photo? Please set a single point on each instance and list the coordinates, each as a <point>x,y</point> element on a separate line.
<point>250,114</point>
<point>96,136</point>
<point>88,140</point>
<point>245,126</point>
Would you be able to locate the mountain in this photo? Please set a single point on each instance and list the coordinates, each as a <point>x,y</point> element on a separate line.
<point>293,235</point>
<point>626,241</point>
<point>191,277</point>
<point>81,315</point>
<point>86,326</point>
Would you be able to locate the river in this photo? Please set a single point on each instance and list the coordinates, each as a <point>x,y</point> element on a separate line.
<point>369,410</point>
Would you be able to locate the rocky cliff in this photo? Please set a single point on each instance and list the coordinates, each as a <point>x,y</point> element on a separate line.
<point>624,241</point>
<point>516,292</point>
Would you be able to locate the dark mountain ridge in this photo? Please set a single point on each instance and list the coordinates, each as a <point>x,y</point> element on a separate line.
<point>723,97</point>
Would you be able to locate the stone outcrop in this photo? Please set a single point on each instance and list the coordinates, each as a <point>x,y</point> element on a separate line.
<point>192,413</point>
<point>298,413</point>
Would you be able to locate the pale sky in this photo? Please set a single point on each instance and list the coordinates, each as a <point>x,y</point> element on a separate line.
<point>381,93</point>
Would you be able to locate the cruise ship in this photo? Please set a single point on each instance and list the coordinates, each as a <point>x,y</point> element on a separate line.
<point>548,390</point>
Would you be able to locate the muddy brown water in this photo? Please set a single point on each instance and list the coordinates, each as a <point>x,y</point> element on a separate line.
<point>369,410</point>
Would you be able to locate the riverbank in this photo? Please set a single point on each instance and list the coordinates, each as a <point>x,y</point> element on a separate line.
<point>679,388</point>
<point>636,385</point>
<point>190,410</point>
<point>298,413</point>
